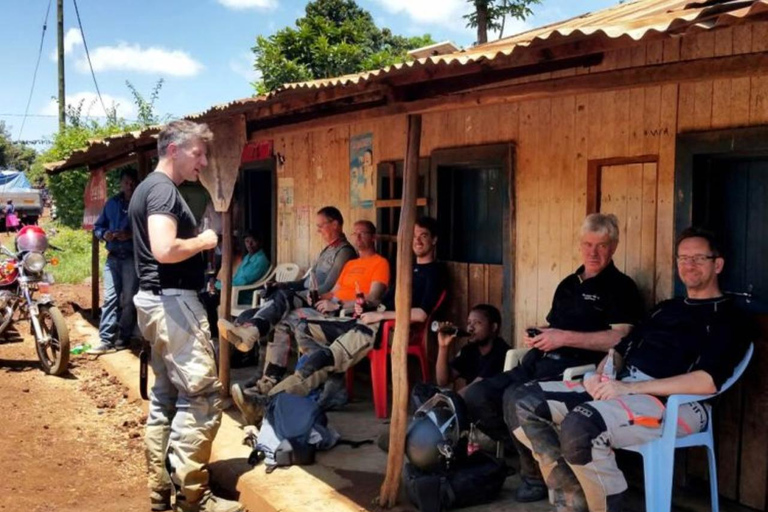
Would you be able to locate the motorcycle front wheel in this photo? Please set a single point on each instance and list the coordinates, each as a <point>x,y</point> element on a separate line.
<point>54,354</point>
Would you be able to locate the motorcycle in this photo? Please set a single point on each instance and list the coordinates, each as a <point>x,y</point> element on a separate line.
<point>26,287</point>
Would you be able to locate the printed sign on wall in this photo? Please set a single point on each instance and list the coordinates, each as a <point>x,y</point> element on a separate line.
<point>94,198</point>
<point>362,186</point>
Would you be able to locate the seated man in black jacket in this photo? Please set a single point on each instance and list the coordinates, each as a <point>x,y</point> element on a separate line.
<point>592,309</point>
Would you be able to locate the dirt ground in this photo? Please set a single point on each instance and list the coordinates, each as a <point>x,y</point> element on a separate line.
<point>72,443</point>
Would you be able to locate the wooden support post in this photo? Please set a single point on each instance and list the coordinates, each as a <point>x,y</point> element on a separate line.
<point>143,162</point>
<point>403,292</point>
<point>225,306</point>
<point>94,276</point>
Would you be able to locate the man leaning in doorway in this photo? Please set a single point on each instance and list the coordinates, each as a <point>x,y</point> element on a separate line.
<point>118,314</point>
<point>591,310</point>
<point>185,403</point>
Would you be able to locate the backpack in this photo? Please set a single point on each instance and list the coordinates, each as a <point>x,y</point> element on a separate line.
<point>477,479</point>
<point>294,428</point>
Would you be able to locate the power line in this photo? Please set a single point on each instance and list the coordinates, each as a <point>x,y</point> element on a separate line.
<point>34,76</point>
<point>88,56</point>
<point>88,116</point>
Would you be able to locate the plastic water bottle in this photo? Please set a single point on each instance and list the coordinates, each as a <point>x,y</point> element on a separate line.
<point>79,349</point>
<point>609,370</point>
<point>472,444</point>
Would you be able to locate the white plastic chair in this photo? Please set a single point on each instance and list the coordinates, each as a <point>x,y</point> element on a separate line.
<point>659,455</point>
<point>282,273</point>
<point>516,355</point>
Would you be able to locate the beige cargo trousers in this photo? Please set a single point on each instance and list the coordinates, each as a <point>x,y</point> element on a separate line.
<point>185,405</point>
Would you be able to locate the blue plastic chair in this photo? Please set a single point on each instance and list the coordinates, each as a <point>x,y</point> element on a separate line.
<point>659,455</point>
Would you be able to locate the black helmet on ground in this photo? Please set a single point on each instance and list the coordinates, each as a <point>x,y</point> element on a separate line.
<point>436,434</point>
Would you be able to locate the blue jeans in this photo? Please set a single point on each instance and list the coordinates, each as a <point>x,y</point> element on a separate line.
<point>118,314</point>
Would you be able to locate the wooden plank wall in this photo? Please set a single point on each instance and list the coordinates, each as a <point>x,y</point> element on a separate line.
<point>555,138</point>
<point>629,192</point>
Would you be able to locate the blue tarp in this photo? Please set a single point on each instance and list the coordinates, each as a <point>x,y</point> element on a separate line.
<point>13,180</point>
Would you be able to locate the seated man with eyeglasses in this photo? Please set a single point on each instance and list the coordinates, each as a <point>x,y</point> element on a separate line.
<point>686,345</point>
<point>368,273</point>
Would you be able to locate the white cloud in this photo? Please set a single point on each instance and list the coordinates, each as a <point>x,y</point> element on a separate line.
<point>72,38</point>
<point>92,105</point>
<point>446,13</point>
<point>240,5</point>
<point>132,57</point>
<point>243,66</point>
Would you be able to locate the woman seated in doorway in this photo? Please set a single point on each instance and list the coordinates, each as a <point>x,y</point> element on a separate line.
<point>253,266</point>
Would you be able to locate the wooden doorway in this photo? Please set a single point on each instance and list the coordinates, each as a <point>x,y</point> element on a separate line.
<point>627,188</point>
<point>722,184</point>
<point>472,191</point>
<point>256,208</point>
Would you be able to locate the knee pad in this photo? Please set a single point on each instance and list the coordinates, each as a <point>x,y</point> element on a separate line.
<point>577,434</point>
<point>316,361</point>
<point>529,400</point>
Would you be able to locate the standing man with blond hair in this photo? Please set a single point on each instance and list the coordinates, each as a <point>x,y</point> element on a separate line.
<point>185,406</point>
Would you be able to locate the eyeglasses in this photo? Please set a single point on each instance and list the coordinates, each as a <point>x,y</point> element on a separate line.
<point>696,259</point>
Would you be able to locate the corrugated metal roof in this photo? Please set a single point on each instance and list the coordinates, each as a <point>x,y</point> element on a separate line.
<point>106,148</point>
<point>634,20</point>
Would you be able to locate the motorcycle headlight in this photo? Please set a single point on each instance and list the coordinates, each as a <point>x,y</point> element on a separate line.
<point>34,262</point>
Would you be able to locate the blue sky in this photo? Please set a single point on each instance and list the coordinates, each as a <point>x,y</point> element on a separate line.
<point>201,48</point>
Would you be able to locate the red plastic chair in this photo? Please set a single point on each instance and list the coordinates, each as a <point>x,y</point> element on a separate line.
<point>417,346</point>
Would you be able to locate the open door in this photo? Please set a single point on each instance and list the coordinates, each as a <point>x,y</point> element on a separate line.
<point>473,191</point>
<point>730,197</point>
<point>255,210</point>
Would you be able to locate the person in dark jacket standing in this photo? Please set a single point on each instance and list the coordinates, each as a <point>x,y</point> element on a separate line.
<point>118,314</point>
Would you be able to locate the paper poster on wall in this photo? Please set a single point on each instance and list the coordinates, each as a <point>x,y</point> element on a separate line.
<point>285,193</point>
<point>285,227</point>
<point>362,187</point>
<point>95,197</point>
<point>304,224</point>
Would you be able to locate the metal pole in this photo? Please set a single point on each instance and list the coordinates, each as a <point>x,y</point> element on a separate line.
<point>60,31</point>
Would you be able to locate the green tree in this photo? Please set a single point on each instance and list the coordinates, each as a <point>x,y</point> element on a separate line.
<point>491,15</point>
<point>14,155</point>
<point>147,115</point>
<point>67,187</point>
<point>335,37</point>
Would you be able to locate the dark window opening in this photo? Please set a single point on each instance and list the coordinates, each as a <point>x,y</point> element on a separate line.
<point>388,202</point>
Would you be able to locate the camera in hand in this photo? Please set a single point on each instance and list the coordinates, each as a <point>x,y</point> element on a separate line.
<point>449,329</point>
<point>533,332</point>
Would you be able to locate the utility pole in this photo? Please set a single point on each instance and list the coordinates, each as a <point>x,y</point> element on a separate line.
<point>62,97</point>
